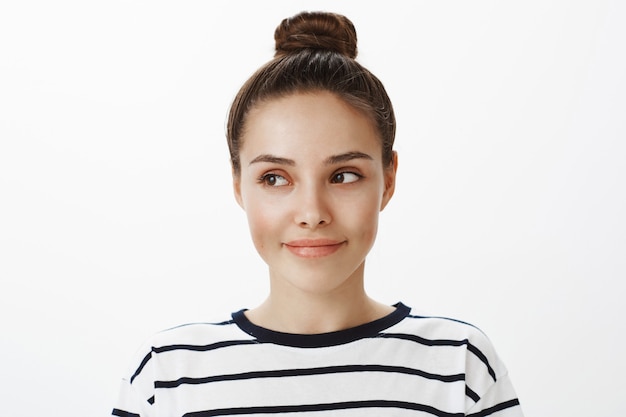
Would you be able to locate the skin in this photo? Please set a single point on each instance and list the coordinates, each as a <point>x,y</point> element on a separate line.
<point>312,184</point>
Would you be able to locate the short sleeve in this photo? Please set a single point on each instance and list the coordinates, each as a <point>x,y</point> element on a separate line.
<point>489,387</point>
<point>499,400</point>
<point>136,394</point>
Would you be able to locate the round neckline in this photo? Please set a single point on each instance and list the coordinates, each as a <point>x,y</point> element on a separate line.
<point>335,338</point>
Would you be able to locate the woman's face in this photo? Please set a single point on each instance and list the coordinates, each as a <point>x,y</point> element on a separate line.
<point>312,184</point>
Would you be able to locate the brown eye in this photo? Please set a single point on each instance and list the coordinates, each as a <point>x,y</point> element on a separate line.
<point>270,180</point>
<point>274,180</point>
<point>345,178</point>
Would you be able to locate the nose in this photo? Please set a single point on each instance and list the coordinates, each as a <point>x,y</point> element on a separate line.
<point>311,207</point>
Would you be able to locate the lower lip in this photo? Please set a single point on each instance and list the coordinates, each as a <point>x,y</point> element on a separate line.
<point>314,251</point>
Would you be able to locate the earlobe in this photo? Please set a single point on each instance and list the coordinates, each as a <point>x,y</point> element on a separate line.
<point>390,181</point>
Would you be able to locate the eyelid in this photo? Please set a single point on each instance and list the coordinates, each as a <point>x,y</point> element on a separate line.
<point>349,170</point>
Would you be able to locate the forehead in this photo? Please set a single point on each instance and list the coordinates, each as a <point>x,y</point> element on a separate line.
<point>308,122</point>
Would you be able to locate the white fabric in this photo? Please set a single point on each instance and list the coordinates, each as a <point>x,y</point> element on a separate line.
<point>401,365</point>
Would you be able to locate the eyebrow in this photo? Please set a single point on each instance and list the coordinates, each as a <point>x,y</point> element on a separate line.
<point>345,157</point>
<point>273,159</point>
<point>331,160</point>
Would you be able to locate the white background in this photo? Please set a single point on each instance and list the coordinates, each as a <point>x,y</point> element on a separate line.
<point>116,214</point>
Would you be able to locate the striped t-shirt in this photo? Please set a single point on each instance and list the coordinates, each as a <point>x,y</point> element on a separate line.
<point>400,365</point>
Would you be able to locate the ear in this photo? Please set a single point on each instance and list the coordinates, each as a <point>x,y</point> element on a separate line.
<point>237,188</point>
<point>390,180</point>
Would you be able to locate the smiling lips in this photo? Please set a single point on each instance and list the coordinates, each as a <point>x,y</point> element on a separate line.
<point>313,248</point>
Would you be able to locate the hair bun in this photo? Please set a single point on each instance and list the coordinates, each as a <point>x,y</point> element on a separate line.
<point>316,30</point>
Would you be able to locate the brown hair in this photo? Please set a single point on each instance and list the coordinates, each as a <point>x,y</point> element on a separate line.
<point>314,51</point>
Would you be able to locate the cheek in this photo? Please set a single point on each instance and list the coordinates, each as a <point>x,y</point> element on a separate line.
<point>362,216</point>
<point>257,223</point>
<point>370,229</point>
<point>264,224</point>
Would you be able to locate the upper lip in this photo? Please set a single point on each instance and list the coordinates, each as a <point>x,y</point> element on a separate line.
<point>313,242</point>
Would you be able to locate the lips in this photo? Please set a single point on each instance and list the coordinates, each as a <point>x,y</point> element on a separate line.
<point>313,248</point>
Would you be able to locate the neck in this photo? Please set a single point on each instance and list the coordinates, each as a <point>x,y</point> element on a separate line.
<point>302,312</point>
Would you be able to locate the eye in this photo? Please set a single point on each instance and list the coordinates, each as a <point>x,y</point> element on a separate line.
<point>273,180</point>
<point>345,178</point>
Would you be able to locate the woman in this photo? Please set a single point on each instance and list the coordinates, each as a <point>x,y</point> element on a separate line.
<point>311,142</point>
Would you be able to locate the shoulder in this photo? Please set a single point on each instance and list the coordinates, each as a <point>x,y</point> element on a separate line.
<point>196,334</point>
<point>185,339</point>
<point>451,337</point>
<point>437,327</point>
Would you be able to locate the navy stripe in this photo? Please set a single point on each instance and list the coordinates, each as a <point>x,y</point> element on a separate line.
<point>221,323</point>
<point>122,413</point>
<point>323,407</point>
<point>141,366</point>
<point>472,394</point>
<point>225,322</point>
<point>423,341</point>
<point>204,348</point>
<point>496,408</point>
<point>197,348</point>
<point>308,371</point>
<point>444,342</point>
<point>483,358</point>
<point>444,318</point>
